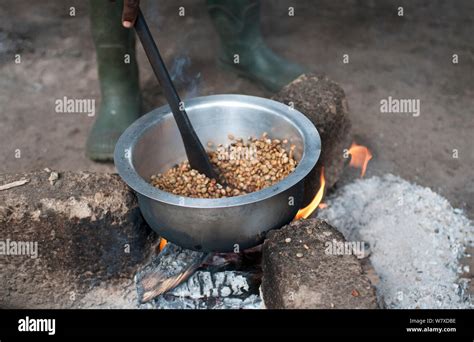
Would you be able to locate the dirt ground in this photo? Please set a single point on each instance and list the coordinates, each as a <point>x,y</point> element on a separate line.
<point>403,57</point>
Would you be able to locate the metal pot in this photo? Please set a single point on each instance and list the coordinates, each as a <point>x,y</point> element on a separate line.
<point>152,144</point>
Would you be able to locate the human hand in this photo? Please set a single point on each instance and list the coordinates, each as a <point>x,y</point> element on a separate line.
<point>130,12</point>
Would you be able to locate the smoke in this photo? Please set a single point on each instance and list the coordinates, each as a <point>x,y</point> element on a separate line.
<point>183,76</point>
<point>185,79</point>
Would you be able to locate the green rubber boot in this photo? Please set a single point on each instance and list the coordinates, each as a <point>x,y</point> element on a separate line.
<point>118,77</point>
<point>243,48</point>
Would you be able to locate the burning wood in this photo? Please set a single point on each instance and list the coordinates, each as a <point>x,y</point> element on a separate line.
<point>168,269</point>
<point>174,272</point>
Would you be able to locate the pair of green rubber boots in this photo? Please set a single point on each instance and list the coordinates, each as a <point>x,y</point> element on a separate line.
<point>238,25</point>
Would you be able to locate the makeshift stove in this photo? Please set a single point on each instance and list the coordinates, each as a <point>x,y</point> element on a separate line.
<point>152,145</point>
<point>179,278</point>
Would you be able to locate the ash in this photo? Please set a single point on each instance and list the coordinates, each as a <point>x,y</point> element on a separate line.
<point>209,290</point>
<point>415,236</point>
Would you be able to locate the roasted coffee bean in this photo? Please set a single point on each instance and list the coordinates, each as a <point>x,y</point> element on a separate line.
<point>244,166</point>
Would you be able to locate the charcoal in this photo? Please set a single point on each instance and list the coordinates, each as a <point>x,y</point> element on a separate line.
<point>209,290</point>
<point>170,302</point>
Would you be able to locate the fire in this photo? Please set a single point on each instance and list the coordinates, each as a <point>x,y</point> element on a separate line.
<point>360,156</point>
<point>162,245</point>
<point>305,212</point>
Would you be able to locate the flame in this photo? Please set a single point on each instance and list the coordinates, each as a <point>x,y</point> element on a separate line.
<point>162,245</point>
<point>308,210</point>
<point>360,156</point>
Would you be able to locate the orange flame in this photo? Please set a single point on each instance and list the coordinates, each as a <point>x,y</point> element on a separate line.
<point>162,245</point>
<point>360,156</point>
<point>308,210</point>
